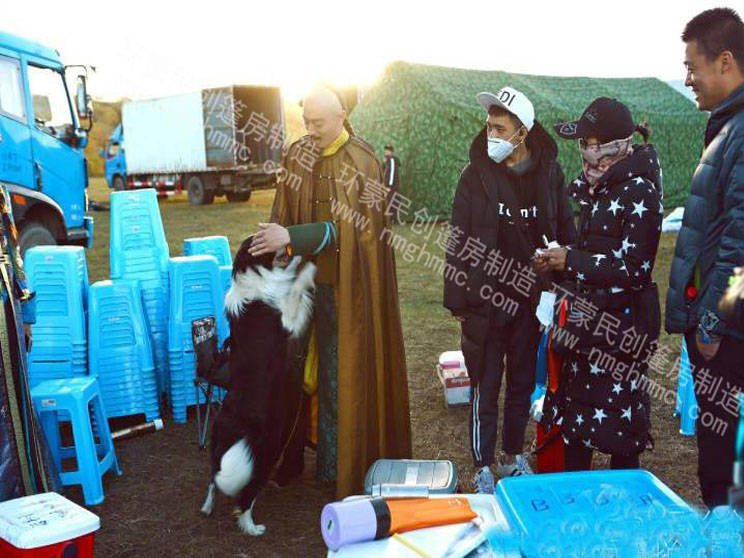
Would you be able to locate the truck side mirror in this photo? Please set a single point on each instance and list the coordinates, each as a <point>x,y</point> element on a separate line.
<point>82,98</point>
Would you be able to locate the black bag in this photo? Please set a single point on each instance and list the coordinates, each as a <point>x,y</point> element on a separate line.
<point>212,364</point>
<point>646,311</point>
<point>626,322</point>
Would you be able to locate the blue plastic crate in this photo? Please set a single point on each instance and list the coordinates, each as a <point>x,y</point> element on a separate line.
<point>217,246</point>
<point>120,350</point>
<point>620,512</point>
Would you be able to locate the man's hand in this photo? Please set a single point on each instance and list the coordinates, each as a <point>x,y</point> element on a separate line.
<point>271,237</point>
<point>555,258</point>
<point>708,351</point>
<point>541,264</point>
<point>29,338</point>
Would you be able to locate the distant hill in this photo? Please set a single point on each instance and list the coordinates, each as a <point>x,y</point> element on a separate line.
<point>106,116</point>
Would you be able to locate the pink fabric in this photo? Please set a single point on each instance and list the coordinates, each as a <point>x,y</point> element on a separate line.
<point>596,160</point>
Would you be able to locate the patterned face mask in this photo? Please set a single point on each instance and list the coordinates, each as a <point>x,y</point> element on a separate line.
<point>597,159</point>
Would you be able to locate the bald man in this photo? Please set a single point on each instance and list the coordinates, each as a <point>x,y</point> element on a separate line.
<point>329,209</point>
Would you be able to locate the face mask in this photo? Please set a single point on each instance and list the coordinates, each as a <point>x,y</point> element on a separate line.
<point>597,159</point>
<point>499,149</point>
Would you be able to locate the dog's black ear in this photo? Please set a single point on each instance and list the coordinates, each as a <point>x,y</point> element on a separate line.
<point>243,258</point>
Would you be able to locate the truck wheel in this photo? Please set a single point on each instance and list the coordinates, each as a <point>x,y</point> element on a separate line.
<point>198,194</point>
<point>119,183</point>
<point>238,197</point>
<point>35,234</point>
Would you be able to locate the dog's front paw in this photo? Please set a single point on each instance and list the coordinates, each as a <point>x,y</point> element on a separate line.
<point>246,525</point>
<point>294,262</point>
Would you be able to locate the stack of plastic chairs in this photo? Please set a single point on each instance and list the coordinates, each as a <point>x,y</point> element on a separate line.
<point>59,277</point>
<point>139,251</point>
<point>120,350</point>
<point>219,247</point>
<point>196,292</point>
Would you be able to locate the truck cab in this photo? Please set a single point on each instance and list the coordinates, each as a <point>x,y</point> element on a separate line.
<point>42,163</point>
<point>115,161</point>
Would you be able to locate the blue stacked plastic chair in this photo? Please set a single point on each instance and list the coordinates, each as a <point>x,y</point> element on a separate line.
<point>80,400</point>
<point>59,277</point>
<point>120,350</point>
<point>139,251</point>
<point>196,292</point>
<point>219,247</point>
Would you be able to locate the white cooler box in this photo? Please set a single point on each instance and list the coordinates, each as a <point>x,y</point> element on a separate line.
<point>46,526</point>
<point>456,385</point>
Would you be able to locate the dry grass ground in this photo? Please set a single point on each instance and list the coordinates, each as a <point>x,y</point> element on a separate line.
<point>152,510</point>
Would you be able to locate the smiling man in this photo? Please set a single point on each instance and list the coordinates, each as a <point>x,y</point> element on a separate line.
<point>711,242</point>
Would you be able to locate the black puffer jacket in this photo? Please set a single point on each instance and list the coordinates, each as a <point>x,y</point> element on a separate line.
<point>712,232</point>
<point>475,214</point>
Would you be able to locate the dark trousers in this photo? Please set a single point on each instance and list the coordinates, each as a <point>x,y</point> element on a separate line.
<point>579,458</point>
<point>716,382</point>
<point>516,340</point>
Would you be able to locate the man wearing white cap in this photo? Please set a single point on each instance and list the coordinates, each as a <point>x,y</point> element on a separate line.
<point>510,200</point>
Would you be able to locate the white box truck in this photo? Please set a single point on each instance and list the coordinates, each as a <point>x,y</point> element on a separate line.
<point>223,141</point>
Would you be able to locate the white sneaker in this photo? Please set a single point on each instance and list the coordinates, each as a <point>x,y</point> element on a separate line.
<point>484,481</point>
<point>519,468</point>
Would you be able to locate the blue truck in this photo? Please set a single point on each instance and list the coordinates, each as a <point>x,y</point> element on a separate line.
<point>42,163</point>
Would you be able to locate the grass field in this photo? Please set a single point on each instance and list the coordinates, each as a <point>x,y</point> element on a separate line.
<point>134,522</point>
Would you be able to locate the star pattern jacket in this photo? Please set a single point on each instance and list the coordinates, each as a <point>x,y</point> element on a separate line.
<point>621,234</point>
<point>601,402</point>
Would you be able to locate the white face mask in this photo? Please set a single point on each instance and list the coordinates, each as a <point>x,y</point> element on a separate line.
<point>499,149</point>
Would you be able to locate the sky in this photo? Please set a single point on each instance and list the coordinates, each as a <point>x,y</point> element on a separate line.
<point>157,48</point>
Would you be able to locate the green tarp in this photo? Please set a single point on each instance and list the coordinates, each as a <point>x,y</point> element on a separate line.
<point>430,115</point>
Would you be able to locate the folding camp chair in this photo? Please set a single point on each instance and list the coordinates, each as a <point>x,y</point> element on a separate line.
<point>212,378</point>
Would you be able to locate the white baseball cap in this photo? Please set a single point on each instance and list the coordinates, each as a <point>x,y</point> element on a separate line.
<point>512,101</point>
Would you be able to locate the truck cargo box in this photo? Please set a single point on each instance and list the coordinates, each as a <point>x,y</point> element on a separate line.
<point>236,127</point>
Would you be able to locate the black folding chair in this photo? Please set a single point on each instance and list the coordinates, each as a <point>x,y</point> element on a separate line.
<point>212,371</point>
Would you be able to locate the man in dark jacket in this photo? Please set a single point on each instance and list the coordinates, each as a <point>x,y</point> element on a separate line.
<point>391,169</point>
<point>510,200</point>
<point>711,242</point>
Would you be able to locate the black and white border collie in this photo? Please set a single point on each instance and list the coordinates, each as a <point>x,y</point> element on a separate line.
<point>269,306</point>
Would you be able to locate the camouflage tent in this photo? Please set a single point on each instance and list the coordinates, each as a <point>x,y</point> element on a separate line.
<point>430,115</point>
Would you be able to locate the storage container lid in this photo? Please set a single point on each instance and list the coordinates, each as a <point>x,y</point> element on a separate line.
<point>44,519</point>
<point>440,477</point>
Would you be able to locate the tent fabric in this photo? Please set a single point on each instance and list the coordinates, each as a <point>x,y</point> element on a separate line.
<point>430,115</point>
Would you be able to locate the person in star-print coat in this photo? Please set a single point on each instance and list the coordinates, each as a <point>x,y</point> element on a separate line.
<point>601,407</point>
